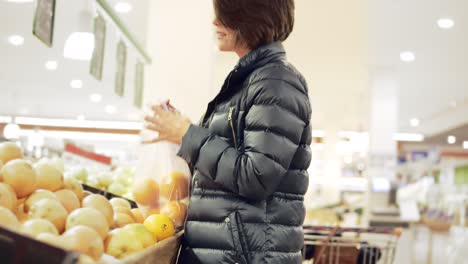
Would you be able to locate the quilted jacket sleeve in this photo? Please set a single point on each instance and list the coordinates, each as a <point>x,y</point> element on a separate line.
<point>274,124</point>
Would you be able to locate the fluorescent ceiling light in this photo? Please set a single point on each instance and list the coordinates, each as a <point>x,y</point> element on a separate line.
<point>5,119</point>
<point>110,109</point>
<point>451,140</point>
<point>95,98</point>
<point>465,145</point>
<point>16,40</point>
<point>76,84</point>
<point>51,65</point>
<point>445,23</point>
<point>83,136</point>
<point>407,56</point>
<point>123,7</point>
<point>79,46</point>
<point>414,122</point>
<point>35,121</point>
<point>318,133</point>
<point>409,137</point>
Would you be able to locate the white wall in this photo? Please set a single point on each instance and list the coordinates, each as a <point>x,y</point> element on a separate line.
<point>181,43</point>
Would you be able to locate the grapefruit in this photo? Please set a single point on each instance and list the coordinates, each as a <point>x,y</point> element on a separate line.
<point>89,217</point>
<point>68,199</point>
<point>121,220</point>
<point>121,243</point>
<point>142,234</point>
<point>7,197</point>
<point>101,204</point>
<point>146,191</point>
<point>75,186</point>
<point>48,176</point>
<point>120,202</point>
<point>37,196</point>
<point>10,151</point>
<point>51,210</point>
<point>85,240</point>
<point>8,219</point>
<point>20,175</point>
<point>160,225</point>
<point>137,215</point>
<point>122,210</point>
<point>34,227</point>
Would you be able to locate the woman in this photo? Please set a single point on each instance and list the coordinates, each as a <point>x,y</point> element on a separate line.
<point>250,153</point>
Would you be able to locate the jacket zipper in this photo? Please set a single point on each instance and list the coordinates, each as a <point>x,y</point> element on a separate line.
<point>231,123</point>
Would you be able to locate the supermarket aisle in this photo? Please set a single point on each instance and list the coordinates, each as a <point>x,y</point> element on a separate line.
<point>415,247</point>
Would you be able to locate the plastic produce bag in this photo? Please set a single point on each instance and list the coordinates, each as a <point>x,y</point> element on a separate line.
<point>162,181</point>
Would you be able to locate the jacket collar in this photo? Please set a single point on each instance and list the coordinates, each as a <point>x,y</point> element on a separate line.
<point>262,55</point>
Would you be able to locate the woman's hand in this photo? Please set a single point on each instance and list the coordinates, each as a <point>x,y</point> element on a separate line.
<point>168,122</point>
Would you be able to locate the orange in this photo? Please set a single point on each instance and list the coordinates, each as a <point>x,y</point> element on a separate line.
<point>7,197</point>
<point>137,215</point>
<point>177,211</point>
<point>146,191</point>
<point>160,225</point>
<point>10,151</point>
<point>68,199</point>
<point>20,175</point>
<point>177,188</point>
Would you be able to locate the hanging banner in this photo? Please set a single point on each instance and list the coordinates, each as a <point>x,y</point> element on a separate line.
<point>97,61</point>
<point>120,73</point>
<point>43,27</point>
<point>139,84</point>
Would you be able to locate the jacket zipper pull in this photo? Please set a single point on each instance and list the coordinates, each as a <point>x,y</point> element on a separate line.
<point>231,123</point>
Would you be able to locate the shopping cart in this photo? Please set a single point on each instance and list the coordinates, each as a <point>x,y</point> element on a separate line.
<point>336,245</point>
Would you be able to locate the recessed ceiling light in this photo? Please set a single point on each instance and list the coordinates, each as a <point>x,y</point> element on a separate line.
<point>76,84</point>
<point>80,117</point>
<point>465,145</point>
<point>407,56</point>
<point>451,140</point>
<point>414,122</point>
<point>123,7</point>
<point>79,46</point>
<point>445,23</point>
<point>51,65</point>
<point>110,109</point>
<point>95,98</point>
<point>16,40</point>
<point>453,104</point>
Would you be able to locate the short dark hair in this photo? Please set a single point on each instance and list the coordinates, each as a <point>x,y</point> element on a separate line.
<point>258,22</point>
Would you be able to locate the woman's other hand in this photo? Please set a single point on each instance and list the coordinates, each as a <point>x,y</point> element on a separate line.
<point>169,123</point>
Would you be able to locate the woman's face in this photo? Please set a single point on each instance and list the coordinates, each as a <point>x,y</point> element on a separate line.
<point>226,38</point>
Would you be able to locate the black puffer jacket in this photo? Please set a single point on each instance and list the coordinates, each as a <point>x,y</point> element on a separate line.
<point>249,156</point>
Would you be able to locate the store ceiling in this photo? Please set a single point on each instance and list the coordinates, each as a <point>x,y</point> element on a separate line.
<point>460,134</point>
<point>28,89</point>
<point>334,44</point>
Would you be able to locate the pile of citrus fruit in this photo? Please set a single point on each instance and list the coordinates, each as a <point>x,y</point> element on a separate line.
<point>38,201</point>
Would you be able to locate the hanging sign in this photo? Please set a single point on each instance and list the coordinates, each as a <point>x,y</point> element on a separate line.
<point>120,72</point>
<point>139,84</point>
<point>43,27</point>
<point>97,60</point>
